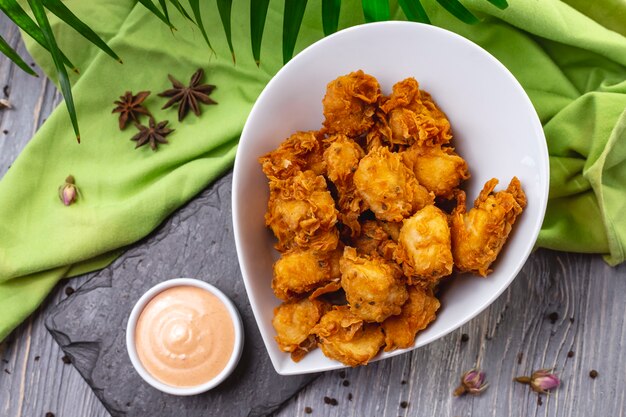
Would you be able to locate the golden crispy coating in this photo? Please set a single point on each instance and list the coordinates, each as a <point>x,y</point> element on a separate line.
<point>373,286</point>
<point>342,158</point>
<point>350,103</point>
<point>301,213</point>
<point>414,117</point>
<point>417,313</point>
<point>371,238</point>
<point>437,168</point>
<point>391,228</point>
<point>377,238</point>
<point>293,322</point>
<point>424,246</point>
<point>380,134</point>
<point>340,323</point>
<point>334,284</point>
<point>333,258</point>
<point>478,236</point>
<point>344,337</point>
<point>351,205</point>
<point>389,187</point>
<point>300,271</point>
<point>300,152</point>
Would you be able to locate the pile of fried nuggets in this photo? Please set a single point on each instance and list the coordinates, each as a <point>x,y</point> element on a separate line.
<point>355,209</point>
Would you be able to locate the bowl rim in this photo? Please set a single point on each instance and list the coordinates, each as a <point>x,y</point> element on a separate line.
<point>237,180</point>
<point>132,324</point>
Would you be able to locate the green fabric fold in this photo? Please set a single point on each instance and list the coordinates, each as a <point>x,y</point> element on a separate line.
<point>572,66</point>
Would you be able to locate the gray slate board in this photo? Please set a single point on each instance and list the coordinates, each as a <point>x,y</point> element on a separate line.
<point>196,242</point>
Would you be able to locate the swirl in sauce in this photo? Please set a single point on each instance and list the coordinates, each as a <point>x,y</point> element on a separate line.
<point>184,336</point>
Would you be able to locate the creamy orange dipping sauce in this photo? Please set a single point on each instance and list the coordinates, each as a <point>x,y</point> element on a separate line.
<point>184,336</point>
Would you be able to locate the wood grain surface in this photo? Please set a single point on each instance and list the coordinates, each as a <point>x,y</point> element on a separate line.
<point>563,311</point>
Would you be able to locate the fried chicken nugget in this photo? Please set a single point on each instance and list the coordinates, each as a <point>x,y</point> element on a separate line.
<point>379,134</point>
<point>334,284</point>
<point>374,288</point>
<point>424,246</point>
<point>437,168</point>
<point>478,236</point>
<point>298,272</point>
<point>388,187</point>
<point>342,158</point>
<point>344,337</point>
<point>301,213</point>
<point>392,229</point>
<point>371,238</point>
<point>416,315</point>
<point>350,103</point>
<point>414,117</point>
<point>293,322</point>
<point>377,238</point>
<point>300,152</point>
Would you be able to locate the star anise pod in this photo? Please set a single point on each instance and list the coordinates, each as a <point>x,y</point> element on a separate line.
<point>154,134</point>
<point>188,97</point>
<point>130,106</point>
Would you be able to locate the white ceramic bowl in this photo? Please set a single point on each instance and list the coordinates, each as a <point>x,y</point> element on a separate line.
<point>495,127</point>
<point>132,324</point>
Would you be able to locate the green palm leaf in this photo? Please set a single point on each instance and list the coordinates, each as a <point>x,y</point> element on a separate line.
<point>375,10</point>
<point>153,9</point>
<point>459,11</point>
<point>195,9</point>
<point>40,16</point>
<point>225,7</point>
<point>63,13</point>
<point>163,5</point>
<point>181,9</point>
<point>500,4</point>
<point>292,20</point>
<point>6,49</point>
<point>414,11</point>
<point>330,15</point>
<point>15,12</point>
<point>258,13</point>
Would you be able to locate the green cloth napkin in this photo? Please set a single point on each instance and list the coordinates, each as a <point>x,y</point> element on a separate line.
<point>571,65</point>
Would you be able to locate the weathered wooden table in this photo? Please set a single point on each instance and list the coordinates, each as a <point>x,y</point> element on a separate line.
<point>564,311</point>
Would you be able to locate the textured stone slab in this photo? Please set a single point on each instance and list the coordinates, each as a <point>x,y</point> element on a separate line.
<point>197,242</point>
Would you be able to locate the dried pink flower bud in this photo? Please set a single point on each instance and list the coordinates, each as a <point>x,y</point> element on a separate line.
<point>541,381</point>
<point>68,192</point>
<point>472,382</point>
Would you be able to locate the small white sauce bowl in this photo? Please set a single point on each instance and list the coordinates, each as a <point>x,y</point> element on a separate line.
<point>132,324</point>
